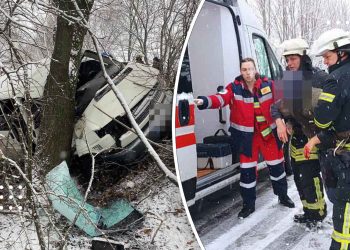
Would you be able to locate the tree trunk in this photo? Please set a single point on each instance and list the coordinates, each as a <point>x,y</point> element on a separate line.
<point>57,119</point>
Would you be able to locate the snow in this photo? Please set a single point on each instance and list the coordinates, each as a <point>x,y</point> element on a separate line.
<point>270,227</point>
<point>162,209</point>
<point>175,231</point>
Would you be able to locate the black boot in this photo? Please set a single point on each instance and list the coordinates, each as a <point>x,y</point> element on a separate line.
<point>309,218</point>
<point>301,218</point>
<point>286,201</point>
<point>246,211</point>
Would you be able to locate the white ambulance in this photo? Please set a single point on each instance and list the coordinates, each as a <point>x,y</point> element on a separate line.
<point>223,33</point>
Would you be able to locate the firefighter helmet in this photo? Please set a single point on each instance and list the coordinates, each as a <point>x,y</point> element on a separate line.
<point>333,39</point>
<point>296,46</point>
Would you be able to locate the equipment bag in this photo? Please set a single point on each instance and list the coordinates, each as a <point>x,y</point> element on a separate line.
<point>224,138</point>
<point>214,156</point>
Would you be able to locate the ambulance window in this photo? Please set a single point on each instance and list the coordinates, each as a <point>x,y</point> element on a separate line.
<point>185,80</point>
<point>262,56</point>
<point>276,67</point>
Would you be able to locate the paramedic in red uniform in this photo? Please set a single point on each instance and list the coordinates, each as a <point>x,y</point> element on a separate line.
<point>250,98</point>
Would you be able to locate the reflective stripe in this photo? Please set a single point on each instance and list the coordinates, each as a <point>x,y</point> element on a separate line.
<point>275,162</point>
<point>344,237</point>
<point>301,150</point>
<point>250,185</point>
<point>248,164</point>
<point>221,100</point>
<point>320,125</point>
<point>346,223</point>
<point>265,98</point>
<point>260,118</point>
<point>210,103</point>
<point>345,146</point>
<point>319,195</point>
<point>242,128</point>
<point>298,154</point>
<point>314,206</point>
<point>278,178</point>
<point>244,99</point>
<point>302,157</point>
<point>266,132</point>
<point>256,105</point>
<point>326,97</point>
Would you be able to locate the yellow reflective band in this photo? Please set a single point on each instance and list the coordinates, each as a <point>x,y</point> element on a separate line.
<point>260,118</point>
<point>343,239</point>
<point>314,206</point>
<point>301,157</point>
<point>266,132</point>
<point>345,147</point>
<point>326,97</point>
<point>346,223</point>
<point>320,125</point>
<point>301,150</point>
<point>298,154</point>
<point>319,194</point>
<point>256,104</point>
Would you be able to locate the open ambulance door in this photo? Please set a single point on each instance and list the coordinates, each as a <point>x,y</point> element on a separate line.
<point>184,132</point>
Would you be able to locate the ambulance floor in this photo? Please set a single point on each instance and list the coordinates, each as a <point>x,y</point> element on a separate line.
<point>204,172</point>
<point>270,227</point>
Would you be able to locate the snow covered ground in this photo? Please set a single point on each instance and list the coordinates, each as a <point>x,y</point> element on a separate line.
<point>165,223</point>
<point>270,227</point>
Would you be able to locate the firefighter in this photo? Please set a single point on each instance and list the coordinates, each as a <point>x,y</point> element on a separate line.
<point>250,97</point>
<point>332,115</point>
<point>306,171</point>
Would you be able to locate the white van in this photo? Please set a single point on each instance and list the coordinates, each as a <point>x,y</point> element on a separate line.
<point>224,32</point>
<point>101,122</point>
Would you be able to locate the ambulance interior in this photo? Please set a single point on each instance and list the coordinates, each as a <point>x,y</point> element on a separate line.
<point>214,55</point>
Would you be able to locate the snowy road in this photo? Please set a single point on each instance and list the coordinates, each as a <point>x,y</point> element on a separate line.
<point>270,227</point>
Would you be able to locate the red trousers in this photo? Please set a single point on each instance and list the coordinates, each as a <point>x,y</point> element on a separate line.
<point>248,167</point>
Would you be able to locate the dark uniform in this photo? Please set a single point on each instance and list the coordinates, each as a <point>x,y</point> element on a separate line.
<point>332,116</point>
<point>306,171</point>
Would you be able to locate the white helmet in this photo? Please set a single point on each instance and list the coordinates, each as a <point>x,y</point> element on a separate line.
<point>296,46</point>
<point>330,40</point>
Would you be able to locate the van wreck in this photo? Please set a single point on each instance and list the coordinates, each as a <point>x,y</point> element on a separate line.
<point>101,121</point>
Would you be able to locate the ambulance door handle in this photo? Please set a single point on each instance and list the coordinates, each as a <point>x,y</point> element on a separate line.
<point>221,120</point>
<point>184,112</point>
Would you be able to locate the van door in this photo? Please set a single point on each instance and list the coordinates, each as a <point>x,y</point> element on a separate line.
<point>184,133</point>
<point>266,60</point>
<point>214,53</point>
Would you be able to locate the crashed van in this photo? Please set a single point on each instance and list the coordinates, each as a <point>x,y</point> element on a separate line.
<point>223,33</point>
<point>102,125</point>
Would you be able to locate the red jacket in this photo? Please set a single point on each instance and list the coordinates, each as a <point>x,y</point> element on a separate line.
<point>242,117</point>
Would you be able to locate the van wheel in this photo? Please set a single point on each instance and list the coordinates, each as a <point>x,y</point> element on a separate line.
<point>196,208</point>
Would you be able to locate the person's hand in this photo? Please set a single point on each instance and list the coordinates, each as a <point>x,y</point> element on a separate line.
<point>281,130</point>
<point>310,145</point>
<point>198,102</point>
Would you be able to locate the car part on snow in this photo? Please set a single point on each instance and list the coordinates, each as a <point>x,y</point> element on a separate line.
<point>67,200</point>
<point>106,244</point>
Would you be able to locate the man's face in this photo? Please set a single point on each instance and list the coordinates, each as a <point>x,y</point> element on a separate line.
<point>330,58</point>
<point>293,62</point>
<point>248,71</point>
